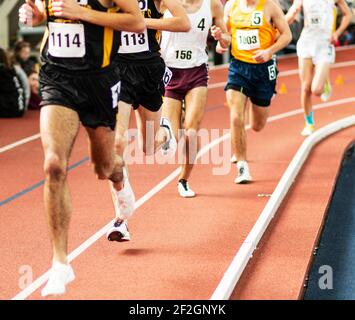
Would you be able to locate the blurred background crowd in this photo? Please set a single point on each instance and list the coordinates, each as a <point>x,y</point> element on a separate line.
<point>19,57</point>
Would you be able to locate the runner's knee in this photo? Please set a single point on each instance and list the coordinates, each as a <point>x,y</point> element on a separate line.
<point>55,168</point>
<point>192,125</point>
<point>258,125</point>
<point>237,119</point>
<point>317,90</point>
<point>307,88</point>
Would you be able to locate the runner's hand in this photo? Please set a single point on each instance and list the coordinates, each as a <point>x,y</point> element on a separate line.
<point>220,49</point>
<point>69,9</point>
<point>262,56</point>
<point>334,38</point>
<point>29,14</point>
<point>216,33</point>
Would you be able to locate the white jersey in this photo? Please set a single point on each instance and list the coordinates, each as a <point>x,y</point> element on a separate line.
<point>185,50</point>
<point>319,19</point>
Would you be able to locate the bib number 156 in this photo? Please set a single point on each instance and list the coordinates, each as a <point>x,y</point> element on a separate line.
<point>183,54</point>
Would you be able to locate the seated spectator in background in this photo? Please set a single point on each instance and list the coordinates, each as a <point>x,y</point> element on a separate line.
<point>22,54</point>
<point>35,98</point>
<point>12,93</point>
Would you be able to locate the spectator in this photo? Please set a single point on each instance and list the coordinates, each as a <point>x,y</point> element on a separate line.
<point>12,95</point>
<point>35,99</point>
<point>22,52</point>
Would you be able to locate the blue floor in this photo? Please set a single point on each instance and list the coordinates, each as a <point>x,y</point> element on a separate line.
<point>332,274</point>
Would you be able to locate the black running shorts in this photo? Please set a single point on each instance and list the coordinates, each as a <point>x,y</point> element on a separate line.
<point>142,83</point>
<point>94,95</point>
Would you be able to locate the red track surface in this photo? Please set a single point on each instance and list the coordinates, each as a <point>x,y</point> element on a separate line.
<point>180,248</point>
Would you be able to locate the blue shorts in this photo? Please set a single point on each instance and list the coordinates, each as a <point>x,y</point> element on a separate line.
<point>256,81</point>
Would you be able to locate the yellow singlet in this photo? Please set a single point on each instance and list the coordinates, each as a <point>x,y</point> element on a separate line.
<point>250,32</point>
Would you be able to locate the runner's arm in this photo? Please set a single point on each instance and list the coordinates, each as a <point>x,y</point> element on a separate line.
<point>219,30</point>
<point>281,25</point>
<point>130,19</point>
<point>178,23</point>
<point>227,9</point>
<point>345,20</point>
<point>285,36</point>
<point>293,12</point>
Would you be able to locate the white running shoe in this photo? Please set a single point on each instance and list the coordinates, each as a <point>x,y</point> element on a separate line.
<point>60,275</point>
<point>327,93</point>
<point>169,147</point>
<point>184,189</point>
<point>124,200</point>
<point>118,232</point>
<point>243,173</point>
<point>234,159</point>
<point>307,130</point>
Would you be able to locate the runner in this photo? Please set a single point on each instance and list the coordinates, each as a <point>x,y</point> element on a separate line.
<point>221,50</point>
<point>79,84</point>
<point>185,55</point>
<point>315,49</point>
<point>259,30</point>
<point>143,72</point>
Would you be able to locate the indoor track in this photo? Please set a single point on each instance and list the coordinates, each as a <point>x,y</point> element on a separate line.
<point>180,248</point>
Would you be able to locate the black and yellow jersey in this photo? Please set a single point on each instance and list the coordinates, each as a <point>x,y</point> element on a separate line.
<point>142,46</point>
<point>78,45</point>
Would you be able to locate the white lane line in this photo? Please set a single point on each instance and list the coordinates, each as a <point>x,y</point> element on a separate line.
<point>235,270</point>
<point>20,142</point>
<point>86,244</point>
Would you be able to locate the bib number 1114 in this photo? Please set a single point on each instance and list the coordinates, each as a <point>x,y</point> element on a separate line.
<point>66,40</point>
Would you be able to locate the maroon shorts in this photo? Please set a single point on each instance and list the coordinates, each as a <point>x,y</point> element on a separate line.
<point>184,80</point>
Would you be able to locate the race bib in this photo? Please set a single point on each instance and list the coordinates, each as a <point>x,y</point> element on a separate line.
<point>167,76</point>
<point>315,19</point>
<point>185,55</point>
<point>66,40</point>
<point>143,5</point>
<point>257,18</point>
<point>116,91</point>
<point>248,39</point>
<point>134,42</point>
<point>272,72</point>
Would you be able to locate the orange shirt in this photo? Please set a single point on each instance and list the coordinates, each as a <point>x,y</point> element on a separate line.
<point>250,31</point>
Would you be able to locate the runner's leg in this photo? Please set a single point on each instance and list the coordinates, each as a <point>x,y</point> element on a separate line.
<point>195,108</point>
<point>59,128</point>
<point>237,102</point>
